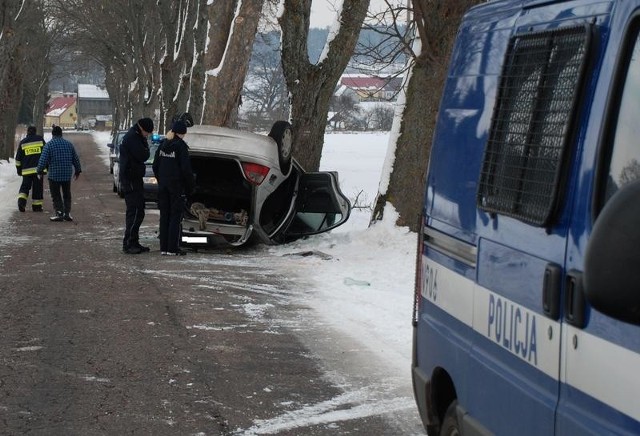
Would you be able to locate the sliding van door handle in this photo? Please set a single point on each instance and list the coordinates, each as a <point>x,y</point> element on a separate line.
<point>551,286</point>
<point>574,303</point>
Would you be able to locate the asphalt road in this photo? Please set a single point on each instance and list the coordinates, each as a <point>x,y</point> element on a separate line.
<point>96,342</point>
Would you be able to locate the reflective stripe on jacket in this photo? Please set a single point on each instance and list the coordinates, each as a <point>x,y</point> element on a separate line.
<point>28,154</point>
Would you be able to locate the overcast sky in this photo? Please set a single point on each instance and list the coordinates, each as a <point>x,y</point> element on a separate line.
<point>323,12</point>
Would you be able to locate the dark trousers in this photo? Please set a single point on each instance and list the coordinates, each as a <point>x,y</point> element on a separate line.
<point>171,205</point>
<point>134,215</point>
<point>61,195</point>
<point>31,182</point>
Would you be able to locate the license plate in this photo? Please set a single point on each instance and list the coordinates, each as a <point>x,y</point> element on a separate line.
<point>194,239</point>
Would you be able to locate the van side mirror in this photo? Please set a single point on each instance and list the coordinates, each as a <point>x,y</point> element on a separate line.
<point>612,259</point>
<point>110,145</point>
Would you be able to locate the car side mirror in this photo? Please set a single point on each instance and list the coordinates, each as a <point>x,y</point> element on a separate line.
<point>612,259</point>
<point>110,145</point>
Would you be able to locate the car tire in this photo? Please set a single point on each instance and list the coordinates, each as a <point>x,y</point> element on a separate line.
<point>282,133</point>
<point>450,424</point>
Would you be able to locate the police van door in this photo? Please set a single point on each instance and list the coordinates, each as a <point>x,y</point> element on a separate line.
<point>599,374</point>
<point>527,170</point>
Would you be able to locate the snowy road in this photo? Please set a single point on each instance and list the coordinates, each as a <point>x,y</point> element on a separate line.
<point>220,342</point>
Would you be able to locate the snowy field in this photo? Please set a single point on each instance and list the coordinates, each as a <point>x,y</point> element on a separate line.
<point>359,285</point>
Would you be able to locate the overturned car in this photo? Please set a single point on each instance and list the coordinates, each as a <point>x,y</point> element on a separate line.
<point>249,188</point>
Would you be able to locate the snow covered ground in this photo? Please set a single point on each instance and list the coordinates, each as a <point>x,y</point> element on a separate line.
<point>358,283</point>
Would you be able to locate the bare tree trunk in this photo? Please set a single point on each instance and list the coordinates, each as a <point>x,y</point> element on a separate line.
<point>39,102</point>
<point>311,86</point>
<point>118,116</point>
<point>437,23</point>
<point>10,76</point>
<point>183,31</point>
<point>38,65</point>
<point>197,72</point>
<point>227,58</point>
<point>11,94</point>
<point>413,146</point>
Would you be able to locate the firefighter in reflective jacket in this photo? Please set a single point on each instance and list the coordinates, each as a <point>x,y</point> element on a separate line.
<point>27,157</point>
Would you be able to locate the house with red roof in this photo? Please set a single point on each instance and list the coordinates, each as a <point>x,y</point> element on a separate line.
<point>61,111</point>
<point>369,88</point>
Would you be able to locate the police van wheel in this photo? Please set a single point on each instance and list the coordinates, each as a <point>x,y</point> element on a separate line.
<point>450,425</point>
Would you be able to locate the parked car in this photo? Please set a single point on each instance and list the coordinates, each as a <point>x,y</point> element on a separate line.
<point>149,179</point>
<point>114,148</point>
<point>248,187</point>
<point>150,184</point>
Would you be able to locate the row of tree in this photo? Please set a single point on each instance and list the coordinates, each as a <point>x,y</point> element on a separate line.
<point>171,56</point>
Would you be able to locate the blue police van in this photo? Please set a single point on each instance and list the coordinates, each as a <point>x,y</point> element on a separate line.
<point>527,302</point>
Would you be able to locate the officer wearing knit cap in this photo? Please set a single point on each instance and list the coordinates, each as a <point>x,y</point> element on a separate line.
<point>134,151</point>
<point>146,124</point>
<point>179,127</point>
<point>172,168</point>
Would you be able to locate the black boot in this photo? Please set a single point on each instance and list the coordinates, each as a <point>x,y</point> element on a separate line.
<point>22,204</point>
<point>36,207</point>
<point>67,217</point>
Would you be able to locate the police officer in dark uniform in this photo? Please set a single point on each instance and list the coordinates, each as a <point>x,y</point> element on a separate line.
<point>172,168</point>
<point>27,157</point>
<point>134,151</point>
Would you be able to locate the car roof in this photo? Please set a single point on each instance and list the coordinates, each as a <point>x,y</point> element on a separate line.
<point>238,143</point>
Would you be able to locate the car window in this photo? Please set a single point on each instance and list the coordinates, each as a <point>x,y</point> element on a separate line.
<point>116,141</point>
<point>312,222</point>
<point>527,153</point>
<point>624,164</point>
<point>153,146</point>
<point>318,208</point>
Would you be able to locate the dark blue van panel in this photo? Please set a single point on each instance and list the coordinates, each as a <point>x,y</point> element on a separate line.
<point>504,340</point>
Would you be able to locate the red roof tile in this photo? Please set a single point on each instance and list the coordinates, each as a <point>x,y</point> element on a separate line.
<point>59,105</point>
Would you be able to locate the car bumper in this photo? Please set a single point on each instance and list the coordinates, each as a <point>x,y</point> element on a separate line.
<point>150,193</point>
<point>232,233</point>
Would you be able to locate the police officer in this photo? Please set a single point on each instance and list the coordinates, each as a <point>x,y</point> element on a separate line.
<point>27,157</point>
<point>172,168</point>
<point>134,151</point>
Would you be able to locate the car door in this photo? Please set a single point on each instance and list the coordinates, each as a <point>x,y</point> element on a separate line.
<point>318,206</point>
<point>527,173</point>
<point>601,355</point>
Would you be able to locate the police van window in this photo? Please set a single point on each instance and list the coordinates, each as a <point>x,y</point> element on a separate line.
<point>624,166</point>
<point>527,152</point>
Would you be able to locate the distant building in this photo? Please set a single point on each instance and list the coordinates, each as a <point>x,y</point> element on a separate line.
<point>94,107</point>
<point>369,88</point>
<point>62,112</point>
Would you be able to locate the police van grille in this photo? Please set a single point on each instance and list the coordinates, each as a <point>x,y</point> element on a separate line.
<point>526,156</point>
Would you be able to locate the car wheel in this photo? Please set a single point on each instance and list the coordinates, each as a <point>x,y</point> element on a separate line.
<point>282,133</point>
<point>450,425</point>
